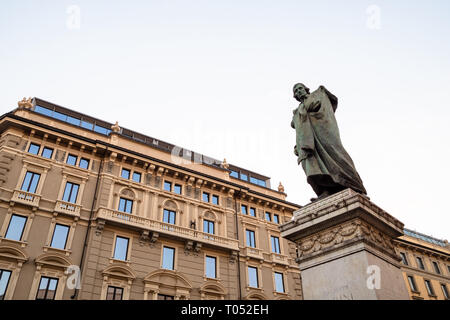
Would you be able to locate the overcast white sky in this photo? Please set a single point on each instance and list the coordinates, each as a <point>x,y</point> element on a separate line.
<point>216,77</point>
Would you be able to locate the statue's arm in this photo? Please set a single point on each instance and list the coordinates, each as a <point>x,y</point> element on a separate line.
<point>314,106</point>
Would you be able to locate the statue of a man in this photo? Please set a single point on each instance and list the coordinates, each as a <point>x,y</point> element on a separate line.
<point>328,167</point>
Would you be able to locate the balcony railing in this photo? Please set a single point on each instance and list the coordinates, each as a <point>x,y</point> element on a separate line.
<point>166,228</point>
<point>27,198</point>
<point>254,253</point>
<point>279,258</point>
<point>68,208</point>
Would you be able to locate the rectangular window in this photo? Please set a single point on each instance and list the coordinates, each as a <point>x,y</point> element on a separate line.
<point>34,148</point>
<point>16,227</point>
<point>208,226</point>
<point>121,248</point>
<point>215,199</point>
<point>169,216</point>
<point>73,120</point>
<point>71,192</point>
<point>125,173</point>
<point>412,283</point>
<point>126,205</point>
<point>136,177</point>
<point>268,216</point>
<point>279,283</point>
<point>420,263</point>
<point>205,197</point>
<point>252,212</point>
<point>243,209</point>
<point>72,160</point>
<point>84,163</point>
<point>443,287</point>
<point>87,125</point>
<point>253,277</point>
<point>244,177</point>
<point>250,238</point>
<point>210,266</point>
<point>60,234</point>
<point>47,152</point>
<point>47,288</point>
<point>168,258</point>
<point>4,281</point>
<point>276,219</point>
<point>404,259</point>
<point>30,182</point>
<point>165,297</point>
<point>114,293</point>
<point>177,189</point>
<point>101,130</point>
<point>275,244</point>
<point>436,267</point>
<point>167,186</point>
<point>429,288</point>
<point>234,174</point>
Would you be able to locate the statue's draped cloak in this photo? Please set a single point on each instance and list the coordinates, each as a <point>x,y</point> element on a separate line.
<point>319,145</point>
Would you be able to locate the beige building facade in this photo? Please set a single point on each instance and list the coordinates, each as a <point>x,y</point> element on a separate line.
<point>141,219</point>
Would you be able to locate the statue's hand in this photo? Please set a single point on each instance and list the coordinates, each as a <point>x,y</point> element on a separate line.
<point>314,106</point>
<point>295,150</point>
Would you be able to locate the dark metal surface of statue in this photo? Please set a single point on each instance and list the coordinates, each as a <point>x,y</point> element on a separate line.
<point>328,167</point>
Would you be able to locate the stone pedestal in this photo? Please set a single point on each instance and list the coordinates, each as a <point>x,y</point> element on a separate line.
<point>345,249</point>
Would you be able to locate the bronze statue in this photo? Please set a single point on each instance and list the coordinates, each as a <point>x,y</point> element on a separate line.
<point>328,167</point>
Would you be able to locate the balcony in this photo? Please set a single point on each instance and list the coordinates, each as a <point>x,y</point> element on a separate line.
<point>254,253</point>
<point>26,198</point>
<point>68,208</point>
<point>279,258</point>
<point>166,228</point>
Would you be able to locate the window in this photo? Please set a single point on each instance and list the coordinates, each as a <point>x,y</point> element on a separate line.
<point>404,259</point>
<point>243,209</point>
<point>30,182</point>
<point>177,189</point>
<point>126,205</point>
<point>215,199</point>
<point>167,186</point>
<point>4,281</point>
<point>114,293</point>
<point>169,216</point>
<point>71,192</point>
<point>268,218</point>
<point>252,212</point>
<point>208,226</point>
<point>443,287</point>
<point>276,219</point>
<point>429,288</point>
<point>412,283</point>
<point>250,238</point>
<point>168,258</point>
<point>279,283</point>
<point>234,174</point>
<point>34,148</point>
<point>253,277</point>
<point>59,239</point>
<point>210,267</point>
<point>244,177</point>
<point>47,153</point>
<point>165,297</point>
<point>15,228</point>
<point>84,163</point>
<point>436,267</point>
<point>205,197</point>
<point>121,248</point>
<point>275,244</point>
<point>47,288</point>
<point>72,160</point>
<point>420,263</point>
<point>125,173</point>
<point>87,125</point>
<point>136,177</point>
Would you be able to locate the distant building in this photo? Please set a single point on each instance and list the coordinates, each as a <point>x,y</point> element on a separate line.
<point>425,265</point>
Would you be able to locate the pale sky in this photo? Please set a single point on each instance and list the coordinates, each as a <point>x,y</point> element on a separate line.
<point>216,77</point>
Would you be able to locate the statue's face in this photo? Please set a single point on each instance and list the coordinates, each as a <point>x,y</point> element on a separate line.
<point>300,92</point>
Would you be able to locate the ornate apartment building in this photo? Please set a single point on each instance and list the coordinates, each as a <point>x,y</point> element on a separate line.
<point>140,218</point>
<point>425,265</point>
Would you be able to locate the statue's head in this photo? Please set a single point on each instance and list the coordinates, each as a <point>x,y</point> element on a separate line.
<point>300,91</point>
